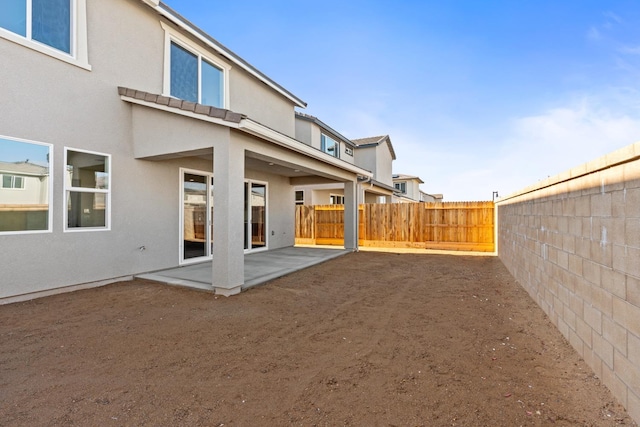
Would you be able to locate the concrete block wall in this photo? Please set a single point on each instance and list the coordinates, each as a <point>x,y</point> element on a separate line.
<point>573,242</point>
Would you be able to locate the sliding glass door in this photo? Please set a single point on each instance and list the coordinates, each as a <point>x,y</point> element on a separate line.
<point>255,215</point>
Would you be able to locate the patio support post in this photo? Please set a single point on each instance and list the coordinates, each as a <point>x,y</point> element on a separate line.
<point>351,215</point>
<point>228,217</point>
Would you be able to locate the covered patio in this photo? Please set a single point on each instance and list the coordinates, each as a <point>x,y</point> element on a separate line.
<point>259,267</point>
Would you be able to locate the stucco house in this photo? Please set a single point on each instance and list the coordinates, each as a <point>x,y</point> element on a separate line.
<point>157,145</point>
<point>373,154</point>
<point>407,190</point>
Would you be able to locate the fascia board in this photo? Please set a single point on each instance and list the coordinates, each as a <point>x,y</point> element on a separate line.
<point>263,132</point>
<point>166,12</point>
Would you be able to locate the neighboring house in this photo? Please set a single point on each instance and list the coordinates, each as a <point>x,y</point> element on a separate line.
<point>430,198</point>
<point>407,190</point>
<point>130,114</point>
<point>376,154</point>
<point>372,154</point>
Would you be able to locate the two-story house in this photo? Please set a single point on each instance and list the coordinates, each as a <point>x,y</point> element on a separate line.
<point>157,147</point>
<point>376,154</point>
<point>373,154</point>
<point>407,190</point>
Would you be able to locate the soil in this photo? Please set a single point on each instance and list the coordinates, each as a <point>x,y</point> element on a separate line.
<point>368,339</point>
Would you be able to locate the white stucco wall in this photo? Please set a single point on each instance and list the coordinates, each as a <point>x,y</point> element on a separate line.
<point>384,165</point>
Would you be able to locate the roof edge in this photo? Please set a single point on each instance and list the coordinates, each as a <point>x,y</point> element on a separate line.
<point>324,126</point>
<point>164,10</point>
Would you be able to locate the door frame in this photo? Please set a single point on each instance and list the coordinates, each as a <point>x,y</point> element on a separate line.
<point>209,219</point>
<point>247,209</point>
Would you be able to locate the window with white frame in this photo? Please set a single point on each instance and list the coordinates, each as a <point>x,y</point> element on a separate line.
<point>25,186</point>
<point>12,181</point>
<point>54,27</point>
<point>329,145</point>
<point>194,78</point>
<point>299,197</point>
<point>87,190</point>
<point>336,199</point>
<point>401,187</point>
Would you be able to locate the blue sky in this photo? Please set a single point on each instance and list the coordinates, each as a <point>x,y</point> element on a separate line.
<point>477,96</point>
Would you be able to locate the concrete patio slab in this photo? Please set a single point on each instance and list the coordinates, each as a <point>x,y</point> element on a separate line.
<point>259,267</point>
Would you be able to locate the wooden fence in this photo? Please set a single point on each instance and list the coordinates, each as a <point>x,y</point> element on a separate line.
<point>449,226</point>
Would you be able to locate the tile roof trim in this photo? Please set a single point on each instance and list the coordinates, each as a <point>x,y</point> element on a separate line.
<point>214,114</point>
<point>234,120</point>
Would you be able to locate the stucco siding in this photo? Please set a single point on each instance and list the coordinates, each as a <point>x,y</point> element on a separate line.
<point>303,131</point>
<point>256,100</point>
<point>366,159</point>
<point>384,162</point>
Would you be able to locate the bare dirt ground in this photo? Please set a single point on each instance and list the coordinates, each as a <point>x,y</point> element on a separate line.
<point>368,339</point>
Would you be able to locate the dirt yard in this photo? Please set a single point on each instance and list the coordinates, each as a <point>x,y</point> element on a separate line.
<point>368,339</point>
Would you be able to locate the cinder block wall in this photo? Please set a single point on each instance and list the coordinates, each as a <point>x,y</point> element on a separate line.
<point>573,242</point>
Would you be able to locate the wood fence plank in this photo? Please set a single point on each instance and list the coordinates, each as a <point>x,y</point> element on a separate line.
<point>450,226</point>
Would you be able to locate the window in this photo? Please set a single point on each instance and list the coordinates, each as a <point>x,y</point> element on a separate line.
<point>329,146</point>
<point>299,197</point>
<point>12,181</point>
<point>335,199</point>
<point>45,21</point>
<point>25,186</point>
<point>87,190</point>
<point>401,187</point>
<point>195,79</point>
<point>54,27</point>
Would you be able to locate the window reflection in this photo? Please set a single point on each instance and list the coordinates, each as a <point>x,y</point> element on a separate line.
<point>87,183</point>
<point>24,186</point>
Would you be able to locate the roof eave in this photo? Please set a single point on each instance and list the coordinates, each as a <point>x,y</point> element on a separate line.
<point>326,127</point>
<point>186,25</point>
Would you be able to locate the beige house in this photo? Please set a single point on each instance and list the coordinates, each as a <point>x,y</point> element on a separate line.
<point>373,154</point>
<point>407,190</point>
<point>156,147</point>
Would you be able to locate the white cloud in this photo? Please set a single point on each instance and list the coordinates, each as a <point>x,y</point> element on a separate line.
<point>531,148</point>
<point>594,34</point>
<point>556,140</point>
<point>630,50</point>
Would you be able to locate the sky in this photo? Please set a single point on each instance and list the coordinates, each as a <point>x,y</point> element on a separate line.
<point>477,96</point>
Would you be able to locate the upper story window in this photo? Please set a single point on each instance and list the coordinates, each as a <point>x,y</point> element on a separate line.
<point>45,21</point>
<point>329,145</point>
<point>401,187</point>
<point>191,74</point>
<point>54,27</point>
<point>195,79</point>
